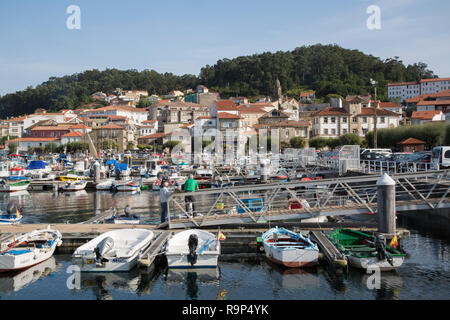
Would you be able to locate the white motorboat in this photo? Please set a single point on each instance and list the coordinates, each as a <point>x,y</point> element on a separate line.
<point>126,218</point>
<point>289,249</point>
<point>193,249</point>
<point>74,185</point>
<point>105,185</point>
<point>29,249</point>
<point>116,250</point>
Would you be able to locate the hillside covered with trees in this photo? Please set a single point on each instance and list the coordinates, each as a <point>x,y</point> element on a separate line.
<point>327,69</point>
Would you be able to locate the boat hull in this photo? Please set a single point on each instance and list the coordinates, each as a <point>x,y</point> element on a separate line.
<point>11,188</point>
<point>373,262</point>
<point>292,258</point>
<point>204,260</point>
<point>23,261</point>
<point>87,264</point>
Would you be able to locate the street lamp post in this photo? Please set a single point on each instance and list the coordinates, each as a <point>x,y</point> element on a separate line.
<point>375,138</point>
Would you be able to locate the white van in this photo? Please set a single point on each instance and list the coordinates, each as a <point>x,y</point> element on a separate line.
<point>440,158</point>
<point>382,151</point>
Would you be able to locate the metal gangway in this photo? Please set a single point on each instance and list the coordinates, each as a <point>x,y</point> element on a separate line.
<point>306,199</point>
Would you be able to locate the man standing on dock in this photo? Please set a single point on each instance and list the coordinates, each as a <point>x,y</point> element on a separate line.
<point>190,185</point>
<point>164,194</point>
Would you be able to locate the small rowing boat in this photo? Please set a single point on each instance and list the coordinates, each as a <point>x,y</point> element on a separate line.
<point>74,185</point>
<point>29,249</point>
<point>14,183</point>
<point>126,218</point>
<point>131,185</point>
<point>365,251</point>
<point>289,249</point>
<point>11,216</point>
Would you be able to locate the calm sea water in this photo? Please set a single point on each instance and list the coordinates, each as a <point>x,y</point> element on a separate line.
<point>425,274</point>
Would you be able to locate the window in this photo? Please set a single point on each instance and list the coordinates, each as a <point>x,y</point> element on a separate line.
<point>344,131</point>
<point>355,131</point>
<point>333,131</point>
<point>325,131</point>
<point>354,119</point>
<point>364,119</point>
<point>382,119</point>
<point>344,119</point>
<point>333,120</point>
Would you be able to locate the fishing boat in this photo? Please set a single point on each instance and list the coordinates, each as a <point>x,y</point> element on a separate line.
<point>130,185</point>
<point>289,249</point>
<point>116,250</point>
<point>74,185</point>
<point>37,168</point>
<point>30,249</point>
<point>193,249</point>
<point>126,218</point>
<point>11,216</point>
<point>365,251</point>
<point>14,183</point>
<point>70,177</point>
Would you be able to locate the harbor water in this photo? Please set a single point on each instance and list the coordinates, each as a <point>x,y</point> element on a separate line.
<point>425,274</point>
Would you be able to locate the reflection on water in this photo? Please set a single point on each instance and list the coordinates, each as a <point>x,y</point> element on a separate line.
<point>103,283</point>
<point>78,206</point>
<point>15,281</point>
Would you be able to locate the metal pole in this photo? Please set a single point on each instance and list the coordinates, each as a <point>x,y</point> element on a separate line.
<point>375,138</point>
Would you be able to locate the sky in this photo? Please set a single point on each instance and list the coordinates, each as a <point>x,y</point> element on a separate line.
<point>182,36</point>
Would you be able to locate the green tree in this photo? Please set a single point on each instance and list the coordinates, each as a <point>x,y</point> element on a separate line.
<point>349,139</point>
<point>297,142</point>
<point>109,144</point>
<point>171,144</point>
<point>12,147</point>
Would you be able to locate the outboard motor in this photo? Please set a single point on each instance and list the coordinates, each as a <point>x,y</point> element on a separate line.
<point>113,186</point>
<point>105,246</point>
<point>127,210</point>
<point>192,244</point>
<point>380,246</point>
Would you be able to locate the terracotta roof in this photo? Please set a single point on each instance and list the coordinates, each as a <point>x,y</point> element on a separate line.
<point>225,105</point>
<point>417,98</point>
<point>251,109</point>
<point>154,136</point>
<point>111,126</point>
<point>51,128</point>
<point>73,134</point>
<point>163,103</point>
<point>290,123</point>
<point>412,141</point>
<point>33,139</point>
<point>435,80</point>
<point>79,126</point>
<point>16,119</point>
<point>226,115</point>
<point>403,83</point>
<point>149,121</point>
<point>425,115</point>
<point>205,117</point>
<point>380,112</point>
<point>332,112</point>
<point>433,102</point>
<point>306,93</point>
<point>445,93</point>
<point>388,105</point>
<point>117,117</point>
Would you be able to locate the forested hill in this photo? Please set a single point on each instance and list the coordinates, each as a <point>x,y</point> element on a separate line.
<point>327,69</point>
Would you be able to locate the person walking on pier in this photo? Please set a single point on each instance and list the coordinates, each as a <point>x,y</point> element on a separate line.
<point>190,185</point>
<point>164,194</point>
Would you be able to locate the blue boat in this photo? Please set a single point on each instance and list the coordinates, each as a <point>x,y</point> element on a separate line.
<point>11,216</point>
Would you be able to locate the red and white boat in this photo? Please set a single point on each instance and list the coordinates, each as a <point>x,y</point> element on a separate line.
<point>29,249</point>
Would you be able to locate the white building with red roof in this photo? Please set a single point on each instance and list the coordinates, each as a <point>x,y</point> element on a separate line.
<point>421,117</point>
<point>408,90</point>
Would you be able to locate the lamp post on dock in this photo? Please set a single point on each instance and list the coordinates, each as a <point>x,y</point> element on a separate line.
<point>375,139</point>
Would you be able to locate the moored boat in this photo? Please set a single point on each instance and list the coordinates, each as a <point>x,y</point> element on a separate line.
<point>126,218</point>
<point>131,185</point>
<point>11,216</point>
<point>193,249</point>
<point>74,185</point>
<point>105,185</point>
<point>14,183</point>
<point>365,251</point>
<point>116,250</point>
<point>289,249</point>
<point>29,249</point>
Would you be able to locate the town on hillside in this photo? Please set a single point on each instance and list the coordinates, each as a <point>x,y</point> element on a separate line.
<point>179,117</point>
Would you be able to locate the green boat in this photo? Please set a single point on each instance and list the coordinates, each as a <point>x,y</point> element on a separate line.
<point>366,251</point>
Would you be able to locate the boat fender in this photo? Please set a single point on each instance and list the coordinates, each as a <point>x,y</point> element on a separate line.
<point>192,245</point>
